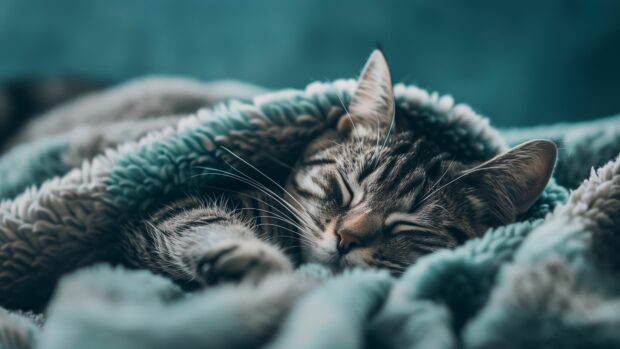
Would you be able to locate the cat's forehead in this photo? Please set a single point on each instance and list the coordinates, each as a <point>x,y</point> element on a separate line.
<point>351,154</point>
<point>391,172</point>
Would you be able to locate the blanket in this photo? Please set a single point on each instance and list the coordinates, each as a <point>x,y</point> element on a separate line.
<point>548,280</point>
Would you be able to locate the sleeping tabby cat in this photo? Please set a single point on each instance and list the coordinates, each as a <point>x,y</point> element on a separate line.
<point>370,193</point>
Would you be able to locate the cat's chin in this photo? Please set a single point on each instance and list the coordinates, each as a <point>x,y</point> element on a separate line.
<point>338,262</point>
<point>338,266</point>
<point>335,262</point>
<point>330,259</point>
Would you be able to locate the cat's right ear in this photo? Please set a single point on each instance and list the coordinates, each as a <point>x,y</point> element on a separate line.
<point>372,104</point>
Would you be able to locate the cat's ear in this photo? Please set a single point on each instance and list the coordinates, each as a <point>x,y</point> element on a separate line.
<point>513,181</point>
<point>372,104</point>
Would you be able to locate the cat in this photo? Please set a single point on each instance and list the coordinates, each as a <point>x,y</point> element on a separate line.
<point>368,193</point>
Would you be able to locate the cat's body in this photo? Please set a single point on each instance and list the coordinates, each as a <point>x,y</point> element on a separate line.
<point>370,193</point>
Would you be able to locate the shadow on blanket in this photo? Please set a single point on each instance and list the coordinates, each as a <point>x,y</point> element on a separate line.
<point>546,281</point>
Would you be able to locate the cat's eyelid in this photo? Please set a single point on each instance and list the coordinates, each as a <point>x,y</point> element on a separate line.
<point>399,217</point>
<point>345,189</point>
<point>397,222</point>
<point>355,190</point>
<point>358,196</point>
<point>407,227</point>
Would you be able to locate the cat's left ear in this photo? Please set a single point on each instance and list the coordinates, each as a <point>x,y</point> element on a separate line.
<point>513,181</point>
<point>372,105</point>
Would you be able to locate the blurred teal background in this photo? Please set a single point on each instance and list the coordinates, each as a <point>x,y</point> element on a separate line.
<point>519,62</point>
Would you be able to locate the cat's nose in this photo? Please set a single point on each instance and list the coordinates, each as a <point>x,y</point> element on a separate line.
<point>357,229</point>
<point>346,241</point>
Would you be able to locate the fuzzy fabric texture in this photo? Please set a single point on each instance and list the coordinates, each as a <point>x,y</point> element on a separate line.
<point>549,280</point>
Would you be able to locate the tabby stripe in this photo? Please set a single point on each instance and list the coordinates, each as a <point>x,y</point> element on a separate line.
<point>335,190</point>
<point>189,224</point>
<point>399,175</point>
<point>305,193</point>
<point>385,172</point>
<point>318,162</point>
<point>390,265</point>
<point>458,234</point>
<point>366,171</point>
<point>152,233</point>
<point>349,194</point>
<point>425,249</point>
<point>171,212</point>
<point>436,232</point>
<point>414,183</point>
<point>433,166</point>
<point>426,237</point>
<point>401,149</point>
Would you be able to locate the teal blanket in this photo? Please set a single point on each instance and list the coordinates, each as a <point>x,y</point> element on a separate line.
<point>549,280</point>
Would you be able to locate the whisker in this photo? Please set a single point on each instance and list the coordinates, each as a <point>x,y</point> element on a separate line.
<point>264,175</point>
<point>278,219</point>
<point>300,215</point>
<point>282,239</point>
<point>277,161</point>
<point>390,128</point>
<point>440,177</point>
<point>279,226</point>
<point>236,192</point>
<point>334,142</point>
<point>252,184</point>
<point>257,186</point>
<point>456,179</point>
<point>346,111</point>
<point>442,207</point>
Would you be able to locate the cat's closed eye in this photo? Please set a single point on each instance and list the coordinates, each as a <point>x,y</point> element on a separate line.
<point>343,189</point>
<point>402,223</point>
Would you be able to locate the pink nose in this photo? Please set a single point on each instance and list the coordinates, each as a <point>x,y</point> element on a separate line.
<point>346,241</point>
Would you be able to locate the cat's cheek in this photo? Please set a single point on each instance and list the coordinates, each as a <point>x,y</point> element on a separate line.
<point>329,231</point>
<point>322,250</point>
<point>328,239</point>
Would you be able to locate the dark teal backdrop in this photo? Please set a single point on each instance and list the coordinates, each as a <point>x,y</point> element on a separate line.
<point>520,62</point>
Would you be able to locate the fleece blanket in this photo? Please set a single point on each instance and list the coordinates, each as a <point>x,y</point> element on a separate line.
<point>549,280</point>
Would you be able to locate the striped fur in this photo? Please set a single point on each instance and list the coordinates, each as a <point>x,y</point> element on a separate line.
<point>397,183</point>
<point>174,239</point>
<point>370,193</point>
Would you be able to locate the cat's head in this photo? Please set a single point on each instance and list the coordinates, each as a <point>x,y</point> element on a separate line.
<point>372,193</point>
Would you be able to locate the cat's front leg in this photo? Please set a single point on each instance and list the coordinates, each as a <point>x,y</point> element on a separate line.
<point>240,260</point>
<point>194,241</point>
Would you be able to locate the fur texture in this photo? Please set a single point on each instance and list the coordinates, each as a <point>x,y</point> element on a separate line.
<point>371,193</point>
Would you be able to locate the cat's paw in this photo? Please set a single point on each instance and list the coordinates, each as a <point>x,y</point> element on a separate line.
<point>242,260</point>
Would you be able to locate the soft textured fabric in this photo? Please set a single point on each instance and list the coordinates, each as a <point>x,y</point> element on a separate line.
<point>547,280</point>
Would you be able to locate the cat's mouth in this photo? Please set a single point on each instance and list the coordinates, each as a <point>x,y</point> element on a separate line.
<point>324,250</point>
<point>339,263</point>
<point>352,259</point>
<point>341,260</point>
